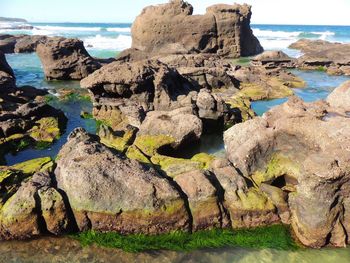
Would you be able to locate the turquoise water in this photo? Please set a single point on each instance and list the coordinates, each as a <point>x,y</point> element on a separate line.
<point>318,86</point>
<point>28,71</point>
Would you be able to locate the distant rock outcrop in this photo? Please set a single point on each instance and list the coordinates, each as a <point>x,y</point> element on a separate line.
<point>172,29</point>
<point>66,58</point>
<point>334,58</point>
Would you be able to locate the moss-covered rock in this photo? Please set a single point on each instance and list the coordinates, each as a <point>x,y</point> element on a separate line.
<point>175,166</point>
<point>117,140</point>
<point>150,144</point>
<point>11,177</point>
<point>279,165</point>
<point>134,153</point>
<point>45,130</point>
<point>255,91</point>
<point>242,106</point>
<point>36,165</point>
<point>110,116</point>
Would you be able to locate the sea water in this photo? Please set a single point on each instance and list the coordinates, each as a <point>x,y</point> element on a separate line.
<point>106,40</point>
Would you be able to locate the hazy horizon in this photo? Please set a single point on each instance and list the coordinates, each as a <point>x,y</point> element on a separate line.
<point>267,12</point>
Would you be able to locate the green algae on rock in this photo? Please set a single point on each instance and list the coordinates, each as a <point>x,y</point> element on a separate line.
<point>119,140</point>
<point>45,130</point>
<point>279,165</point>
<point>276,237</point>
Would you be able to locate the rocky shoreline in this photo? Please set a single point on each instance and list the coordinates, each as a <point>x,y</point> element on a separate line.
<point>290,166</point>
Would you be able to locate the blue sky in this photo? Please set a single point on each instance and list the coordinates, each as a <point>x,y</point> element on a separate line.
<point>320,12</point>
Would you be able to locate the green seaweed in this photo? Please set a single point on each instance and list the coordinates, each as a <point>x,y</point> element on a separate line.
<point>275,237</point>
<point>321,69</point>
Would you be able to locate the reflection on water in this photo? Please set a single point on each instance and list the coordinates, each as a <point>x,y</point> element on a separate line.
<point>67,250</point>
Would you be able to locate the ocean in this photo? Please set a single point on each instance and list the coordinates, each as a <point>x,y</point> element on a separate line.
<point>105,39</point>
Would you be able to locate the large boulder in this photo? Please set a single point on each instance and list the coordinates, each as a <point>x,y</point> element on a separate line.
<point>188,126</point>
<point>303,149</point>
<point>171,28</point>
<point>109,193</point>
<point>65,59</point>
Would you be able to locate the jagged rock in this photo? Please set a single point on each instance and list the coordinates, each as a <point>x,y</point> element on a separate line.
<point>314,142</point>
<point>273,59</point>
<point>33,207</point>
<point>7,77</point>
<point>334,58</point>
<point>144,203</point>
<point>65,59</point>
<point>259,83</point>
<point>151,83</point>
<point>28,44</point>
<point>7,43</point>
<point>179,124</point>
<point>203,70</point>
<point>53,210</point>
<point>172,29</point>
<point>202,198</point>
<point>21,118</point>
<point>247,207</point>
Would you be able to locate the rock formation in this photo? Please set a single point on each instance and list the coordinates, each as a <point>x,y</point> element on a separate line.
<point>334,58</point>
<point>302,148</point>
<point>115,194</point>
<point>20,43</point>
<point>22,120</point>
<point>65,59</point>
<point>172,29</point>
<point>272,60</point>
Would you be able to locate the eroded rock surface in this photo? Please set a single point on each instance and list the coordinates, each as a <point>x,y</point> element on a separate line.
<point>172,29</point>
<point>116,194</point>
<point>334,58</point>
<point>302,148</point>
<point>21,117</point>
<point>65,59</point>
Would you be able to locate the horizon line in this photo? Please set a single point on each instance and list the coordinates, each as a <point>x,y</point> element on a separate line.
<point>267,24</point>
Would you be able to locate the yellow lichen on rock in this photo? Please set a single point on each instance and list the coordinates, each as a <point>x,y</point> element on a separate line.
<point>45,130</point>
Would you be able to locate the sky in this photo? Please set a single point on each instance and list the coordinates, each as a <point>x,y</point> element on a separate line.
<point>305,12</point>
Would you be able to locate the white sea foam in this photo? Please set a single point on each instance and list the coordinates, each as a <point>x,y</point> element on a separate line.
<point>68,28</point>
<point>324,35</point>
<point>273,40</point>
<point>119,29</point>
<point>118,43</point>
<point>276,34</point>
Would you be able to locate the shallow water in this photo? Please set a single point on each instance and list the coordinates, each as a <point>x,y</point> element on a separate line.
<point>67,250</point>
<point>318,86</point>
<point>28,71</point>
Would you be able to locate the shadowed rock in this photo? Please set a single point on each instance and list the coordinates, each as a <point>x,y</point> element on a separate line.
<point>65,58</point>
